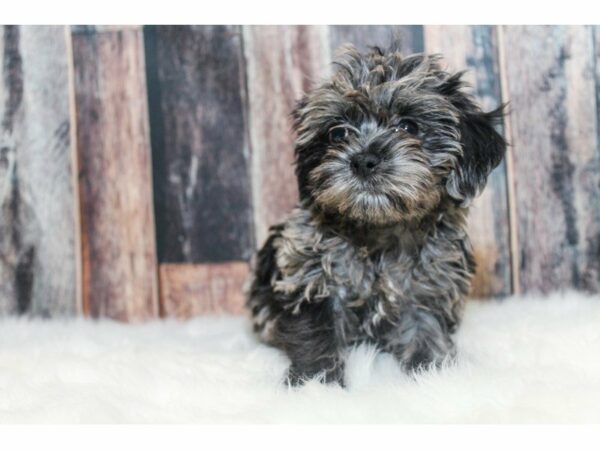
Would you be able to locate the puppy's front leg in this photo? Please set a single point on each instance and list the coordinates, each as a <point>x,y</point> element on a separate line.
<point>311,340</point>
<point>420,338</point>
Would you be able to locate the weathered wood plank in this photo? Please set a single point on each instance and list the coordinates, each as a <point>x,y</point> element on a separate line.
<point>554,132</point>
<point>282,63</point>
<point>38,230</point>
<point>475,48</point>
<point>189,290</point>
<point>593,244</point>
<point>364,36</point>
<point>103,28</point>
<point>119,257</point>
<point>200,145</point>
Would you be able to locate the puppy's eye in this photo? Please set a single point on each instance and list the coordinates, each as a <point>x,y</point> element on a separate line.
<point>408,126</point>
<point>338,134</point>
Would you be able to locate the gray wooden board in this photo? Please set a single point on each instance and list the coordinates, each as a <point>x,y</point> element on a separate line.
<point>554,131</point>
<point>38,241</point>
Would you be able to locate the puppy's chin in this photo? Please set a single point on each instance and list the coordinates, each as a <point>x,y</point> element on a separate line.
<point>379,200</point>
<point>365,208</point>
<point>368,208</point>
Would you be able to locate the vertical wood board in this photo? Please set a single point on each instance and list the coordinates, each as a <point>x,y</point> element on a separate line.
<point>119,256</point>
<point>197,99</point>
<point>282,64</point>
<point>38,224</point>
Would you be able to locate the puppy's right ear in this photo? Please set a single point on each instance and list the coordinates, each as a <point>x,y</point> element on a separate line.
<point>483,149</point>
<point>482,146</point>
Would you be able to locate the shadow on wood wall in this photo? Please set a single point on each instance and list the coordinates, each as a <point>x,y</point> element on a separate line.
<point>140,167</point>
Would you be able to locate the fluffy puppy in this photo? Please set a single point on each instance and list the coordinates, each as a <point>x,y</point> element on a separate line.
<point>389,153</point>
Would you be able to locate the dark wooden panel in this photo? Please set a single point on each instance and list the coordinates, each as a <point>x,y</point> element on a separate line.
<point>282,63</point>
<point>189,290</point>
<point>550,84</point>
<point>38,232</point>
<point>119,258</point>
<point>363,36</point>
<point>475,48</point>
<point>199,139</point>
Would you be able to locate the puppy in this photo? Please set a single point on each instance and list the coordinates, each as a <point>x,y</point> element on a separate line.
<point>389,153</point>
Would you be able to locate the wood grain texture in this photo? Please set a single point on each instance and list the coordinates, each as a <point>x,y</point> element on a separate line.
<point>200,143</point>
<point>189,290</point>
<point>554,130</point>
<point>474,48</point>
<point>119,257</point>
<point>38,231</point>
<point>364,36</point>
<point>282,64</point>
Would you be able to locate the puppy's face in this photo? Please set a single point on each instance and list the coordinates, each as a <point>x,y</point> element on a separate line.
<point>386,139</point>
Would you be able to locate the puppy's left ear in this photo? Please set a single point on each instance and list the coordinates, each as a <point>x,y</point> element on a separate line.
<point>483,149</point>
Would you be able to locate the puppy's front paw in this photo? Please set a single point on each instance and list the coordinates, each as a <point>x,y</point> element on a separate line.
<point>420,359</point>
<point>297,375</point>
<point>425,357</point>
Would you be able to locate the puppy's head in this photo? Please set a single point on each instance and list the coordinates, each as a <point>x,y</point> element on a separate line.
<point>387,138</point>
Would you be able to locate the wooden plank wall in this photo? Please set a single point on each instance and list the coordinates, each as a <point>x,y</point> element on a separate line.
<point>141,166</point>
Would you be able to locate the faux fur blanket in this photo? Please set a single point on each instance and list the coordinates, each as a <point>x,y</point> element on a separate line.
<point>520,360</point>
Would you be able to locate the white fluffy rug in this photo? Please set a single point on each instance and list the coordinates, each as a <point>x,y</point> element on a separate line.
<point>521,360</point>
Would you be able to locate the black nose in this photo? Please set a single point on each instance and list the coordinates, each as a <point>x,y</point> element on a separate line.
<point>364,164</point>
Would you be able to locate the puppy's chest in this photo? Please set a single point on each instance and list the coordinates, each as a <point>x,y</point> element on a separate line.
<point>360,277</point>
<point>351,277</point>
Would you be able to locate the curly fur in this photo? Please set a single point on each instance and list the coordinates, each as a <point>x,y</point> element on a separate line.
<point>376,253</point>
